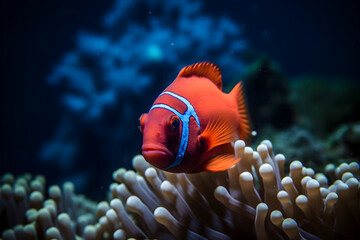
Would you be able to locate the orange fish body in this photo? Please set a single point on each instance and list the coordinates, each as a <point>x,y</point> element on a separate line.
<point>192,124</point>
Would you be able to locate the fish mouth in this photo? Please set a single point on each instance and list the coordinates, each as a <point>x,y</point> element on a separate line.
<point>156,149</point>
<point>157,155</point>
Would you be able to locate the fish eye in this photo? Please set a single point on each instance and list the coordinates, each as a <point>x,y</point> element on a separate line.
<point>141,121</point>
<point>174,123</point>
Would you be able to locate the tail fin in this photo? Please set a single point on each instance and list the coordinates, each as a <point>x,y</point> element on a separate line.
<point>245,123</point>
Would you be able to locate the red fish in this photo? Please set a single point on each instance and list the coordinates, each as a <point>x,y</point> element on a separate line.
<point>192,124</point>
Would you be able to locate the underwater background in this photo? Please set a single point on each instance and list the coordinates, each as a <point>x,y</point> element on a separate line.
<point>76,75</point>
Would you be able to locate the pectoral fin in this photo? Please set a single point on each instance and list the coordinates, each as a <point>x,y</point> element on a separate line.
<point>216,133</point>
<point>217,163</point>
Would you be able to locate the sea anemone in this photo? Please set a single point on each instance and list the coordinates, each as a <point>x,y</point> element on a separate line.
<point>253,199</point>
<point>28,215</point>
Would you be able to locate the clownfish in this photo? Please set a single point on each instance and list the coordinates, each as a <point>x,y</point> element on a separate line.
<point>192,124</point>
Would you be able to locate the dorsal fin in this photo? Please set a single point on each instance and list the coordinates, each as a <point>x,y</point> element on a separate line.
<point>203,69</point>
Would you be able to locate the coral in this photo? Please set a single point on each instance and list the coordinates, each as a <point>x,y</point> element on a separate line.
<point>296,142</point>
<point>299,143</point>
<point>323,113</point>
<point>137,36</point>
<point>267,93</point>
<point>254,200</point>
<point>345,141</point>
